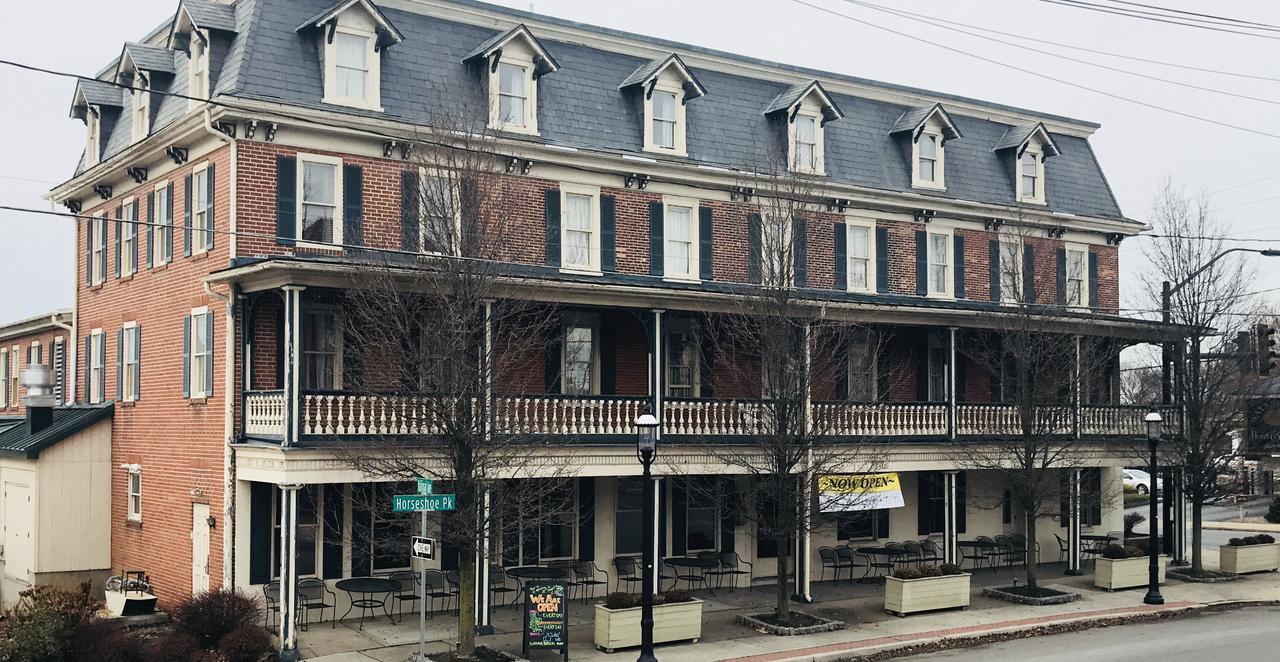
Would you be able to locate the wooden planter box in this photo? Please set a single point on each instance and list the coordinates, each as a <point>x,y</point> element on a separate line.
<point>1112,574</point>
<point>619,628</point>
<point>907,596</point>
<point>1249,558</point>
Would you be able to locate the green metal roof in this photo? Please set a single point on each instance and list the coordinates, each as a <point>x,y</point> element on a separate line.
<point>17,437</point>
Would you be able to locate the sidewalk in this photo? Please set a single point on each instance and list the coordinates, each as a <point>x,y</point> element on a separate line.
<point>861,606</point>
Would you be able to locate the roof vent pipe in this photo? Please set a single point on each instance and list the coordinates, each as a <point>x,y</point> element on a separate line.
<point>38,380</point>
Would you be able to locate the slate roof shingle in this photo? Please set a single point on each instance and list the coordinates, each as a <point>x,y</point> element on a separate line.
<point>151,58</point>
<point>211,15</point>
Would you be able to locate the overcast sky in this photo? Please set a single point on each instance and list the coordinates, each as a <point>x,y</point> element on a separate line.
<point>1138,146</point>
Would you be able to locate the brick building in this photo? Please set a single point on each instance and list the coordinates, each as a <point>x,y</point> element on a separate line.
<point>43,339</point>
<point>259,150</point>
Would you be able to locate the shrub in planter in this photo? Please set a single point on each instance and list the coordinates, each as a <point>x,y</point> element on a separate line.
<point>620,600</point>
<point>210,616</point>
<point>951,569</point>
<point>247,643</point>
<point>1114,551</point>
<point>676,595</point>
<point>1265,539</point>
<point>907,573</point>
<point>1249,554</point>
<point>1273,513</point>
<point>927,588</point>
<point>1130,521</point>
<point>930,571</point>
<point>1236,542</point>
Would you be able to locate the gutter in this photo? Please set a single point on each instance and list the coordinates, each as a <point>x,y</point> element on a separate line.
<point>209,128</point>
<point>228,421</point>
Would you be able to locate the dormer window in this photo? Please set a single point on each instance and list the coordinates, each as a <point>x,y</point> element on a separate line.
<point>1028,145</point>
<point>198,69</point>
<point>512,62</point>
<point>93,100</point>
<point>929,128</point>
<point>666,85</point>
<point>93,137</point>
<point>141,109</point>
<point>806,109</point>
<point>352,35</point>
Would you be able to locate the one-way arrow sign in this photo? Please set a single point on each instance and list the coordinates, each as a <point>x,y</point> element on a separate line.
<point>423,548</point>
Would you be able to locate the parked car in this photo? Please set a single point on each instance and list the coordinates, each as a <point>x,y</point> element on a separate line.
<point>1139,481</point>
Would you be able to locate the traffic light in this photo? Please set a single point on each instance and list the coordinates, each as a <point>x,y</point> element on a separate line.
<point>1246,351</point>
<point>1267,355</point>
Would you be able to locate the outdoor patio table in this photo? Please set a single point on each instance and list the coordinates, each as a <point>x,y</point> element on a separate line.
<point>368,588</point>
<point>690,564</point>
<point>887,553</point>
<point>979,546</point>
<point>526,572</point>
<point>1094,537</point>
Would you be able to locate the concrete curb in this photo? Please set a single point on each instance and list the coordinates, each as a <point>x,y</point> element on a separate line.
<point>1265,527</point>
<point>888,647</point>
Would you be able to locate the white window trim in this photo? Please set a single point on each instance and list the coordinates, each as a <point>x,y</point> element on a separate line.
<point>1018,277</point>
<point>691,204</point>
<point>141,109</point>
<point>15,375</point>
<point>939,182</point>
<point>196,387</point>
<point>949,284</point>
<point>936,343</point>
<point>870,225</point>
<point>773,262</point>
<point>34,346</point>
<point>4,378</point>
<point>338,322</point>
<point>337,200</point>
<point>818,167</point>
<point>198,93</point>
<point>96,243</point>
<point>98,363</point>
<point>93,137</point>
<point>134,472</point>
<point>125,395</point>
<point>1083,250</point>
<point>679,133</point>
<point>682,328</point>
<point>593,257</point>
<point>530,95</point>
<point>373,80</point>
<point>129,228</point>
<point>199,233</point>
<point>580,320</point>
<point>423,175</point>
<point>158,216</point>
<point>1038,197</point>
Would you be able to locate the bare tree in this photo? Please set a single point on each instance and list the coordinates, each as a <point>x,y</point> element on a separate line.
<point>437,335</point>
<point>1212,303</point>
<point>1039,374</point>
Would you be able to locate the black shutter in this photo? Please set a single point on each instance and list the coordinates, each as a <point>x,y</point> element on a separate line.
<point>1028,274</point>
<point>661,487</point>
<point>960,377</point>
<point>922,262</point>
<point>754,231</point>
<point>352,205</point>
<point>186,215</point>
<point>551,360</point>
<point>210,215</point>
<point>882,522</point>
<point>1093,280</point>
<point>728,523</point>
<point>352,361</point>
<point>361,522</point>
<point>841,238</point>
<point>448,555</point>
<point>186,356</point>
<point>841,368</point>
<point>119,230</point>
<point>922,372</point>
<point>551,216</point>
<point>1064,498</point>
<point>510,533</point>
<point>882,260</point>
<point>608,233</point>
<point>1095,497</point>
<point>656,233</point>
<point>993,261</point>
<point>608,361</point>
<point>962,501</point>
<point>1006,508</point>
<point>587,519</point>
<point>169,228</point>
<point>957,249</point>
<point>260,532</point>
<point>332,531</point>
<point>1062,276</point>
<point>706,366</point>
<point>799,250</point>
<point>529,543</point>
<point>706,244</point>
<point>924,503</point>
<point>679,516</point>
<point>286,200</point>
<point>151,219</point>
<point>209,369</point>
<point>409,210</point>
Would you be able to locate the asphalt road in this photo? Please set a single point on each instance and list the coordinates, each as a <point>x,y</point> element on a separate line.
<point>1244,634</point>
<point>1211,538</point>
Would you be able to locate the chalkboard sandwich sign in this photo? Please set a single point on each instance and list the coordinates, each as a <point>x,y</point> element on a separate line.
<point>546,616</point>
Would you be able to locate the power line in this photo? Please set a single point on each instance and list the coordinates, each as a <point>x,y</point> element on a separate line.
<point>1246,204</point>
<point>1038,74</point>
<point>1076,47</point>
<point>1191,13</point>
<point>1069,58</point>
<point>1075,4</point>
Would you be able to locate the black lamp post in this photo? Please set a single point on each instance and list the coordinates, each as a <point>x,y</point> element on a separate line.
<point>646,451</point>
<point>1153,597</point>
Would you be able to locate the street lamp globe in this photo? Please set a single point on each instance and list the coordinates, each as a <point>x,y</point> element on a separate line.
<point>1153,425</point>
<point>646,433</point>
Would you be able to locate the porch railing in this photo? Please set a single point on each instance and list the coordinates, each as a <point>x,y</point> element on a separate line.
<point>568,415</point>
<point>264,413</point>
<point>873,419</point>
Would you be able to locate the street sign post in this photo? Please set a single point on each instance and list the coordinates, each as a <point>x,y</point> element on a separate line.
<point>422,547</point>
<point>425,486</point>
<point>417,503</point>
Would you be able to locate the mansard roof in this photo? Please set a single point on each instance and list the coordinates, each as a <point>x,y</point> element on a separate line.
<point>649,71</point>
<point>206,15</point>
<point>1018,137</point>
<point>92,92</point>
<point>913,120</point>
<point>147,58</point>
<point>387,32</point>
<point>796,93</point>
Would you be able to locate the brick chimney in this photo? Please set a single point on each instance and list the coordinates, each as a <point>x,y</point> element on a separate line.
<point>38,380</point>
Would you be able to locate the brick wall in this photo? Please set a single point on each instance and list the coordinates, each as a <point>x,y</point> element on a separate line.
<point>20,346</point>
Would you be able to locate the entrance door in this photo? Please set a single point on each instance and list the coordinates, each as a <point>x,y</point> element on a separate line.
<point>199,548</point>
<point>19,550</point>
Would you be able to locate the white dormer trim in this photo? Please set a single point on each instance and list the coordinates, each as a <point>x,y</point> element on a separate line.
<point>349,27</point>
<point>499,62</point>
<point>93,136</point>
<point>198,83</point>
<point>671,78</point>
<point>930,136</point>
<point>796,161</point>
<point>140,107</point>
<point>1033,159</point>
<point>1028,146</point>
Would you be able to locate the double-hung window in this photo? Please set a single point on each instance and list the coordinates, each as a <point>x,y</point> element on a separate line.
<point>93,137</point>
<point>937,372</point>
<point>97,365</point>
<point>319,196</point>
<point>512,95</point>
<point>862,366</point>
<point>579,358</point>
<point>98,242</point>
<point>581,228</point>
<point>198,69</point>
<point>33,354</point>
<point>1030,166</point>
<point>939,266</point>
<point>162,231</point>
<point>307,533</point>
<point>4,379</point>
<point>441,215</point>
<point>200,236</point>
<point>681,251</point>
<point>201,353</point>
<point>701,517</point>
<point>806,156</point>
<point>1077,269</point>
<point>128,237</point>
<point>664,119</point>
<point>141,98</point>
<point>861,257</point>
<point>629,516</point>
<point>776,246</point>
<point>927,161</point>
<point>321,350</point>
<point>352,65</point>
<point>682,364</point>
<point>1010,267</point>
<point>559,524</point>
<point>135,493</point>
<point>130,346</point>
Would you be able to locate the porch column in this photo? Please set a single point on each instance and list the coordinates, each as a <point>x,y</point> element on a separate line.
<point>288,572</point>
<point>1073,524</point>
<point>802,561</point>
<point>1178,495</point>
<point>950,535</point>
<point>292,364</point>
<point>1077,374</point>
<point>952,409</point>
<point>655,374</point>
<point>484,610</point>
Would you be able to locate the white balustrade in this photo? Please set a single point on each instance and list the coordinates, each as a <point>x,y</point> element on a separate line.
<point>264,413</point>
<point>870,419</point>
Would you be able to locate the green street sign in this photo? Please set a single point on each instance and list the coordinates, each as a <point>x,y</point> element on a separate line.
<point>416,503</point>
<point>425,486</point>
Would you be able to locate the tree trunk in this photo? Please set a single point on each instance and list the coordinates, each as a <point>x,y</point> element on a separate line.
<point>1032,561</point>
<point>783,607</point>
<point>1197,555</point>
<point>466,602</point>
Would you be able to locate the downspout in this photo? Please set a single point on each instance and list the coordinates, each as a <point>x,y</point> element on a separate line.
<point>229,364</point>
<point>69,350</point>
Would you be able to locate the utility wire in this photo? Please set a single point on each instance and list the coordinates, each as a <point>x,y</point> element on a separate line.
<point>1060,56</point>
<point>1191,13</point>
<point>1203,25</point>
<point>1038,74</point>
